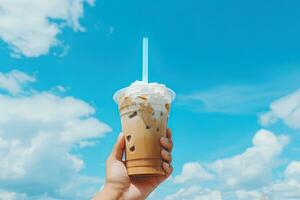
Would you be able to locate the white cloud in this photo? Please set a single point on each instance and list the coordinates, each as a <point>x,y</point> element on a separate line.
<point>6,195</point>
<point>38,131</point>
<point>293,170</point>
<point>249,195</point>
<point>14,81</point>
<point>193,171</point>
<point>224,99</point>
<point>30,28</point>
<point>195,193</point>
<point>254,164</point>
<point>9,195</point>
<point>267,118</point>
<point>289,187</point>
<point>246,176</point>
<point>287,190</point>
<point>286,108</point>
<point>84,144</point>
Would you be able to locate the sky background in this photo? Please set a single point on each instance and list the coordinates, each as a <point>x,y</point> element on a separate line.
<point>234,65</point>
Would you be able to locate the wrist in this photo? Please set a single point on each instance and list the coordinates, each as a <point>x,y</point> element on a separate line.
<point>109,192</point>
<point>116,187</point>
<point>116,190</point>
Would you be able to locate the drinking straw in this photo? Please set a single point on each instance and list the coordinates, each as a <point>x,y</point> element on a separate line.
<point>145,59</point>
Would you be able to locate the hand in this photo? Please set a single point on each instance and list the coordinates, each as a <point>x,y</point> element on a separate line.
<point>129,188</point>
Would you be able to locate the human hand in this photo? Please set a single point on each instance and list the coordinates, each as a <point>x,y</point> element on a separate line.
<point>119,185</point>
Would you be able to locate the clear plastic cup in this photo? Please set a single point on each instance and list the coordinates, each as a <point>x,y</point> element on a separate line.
<point>144,109</point>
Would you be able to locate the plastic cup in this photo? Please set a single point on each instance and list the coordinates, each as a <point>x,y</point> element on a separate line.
<point>144,111</point>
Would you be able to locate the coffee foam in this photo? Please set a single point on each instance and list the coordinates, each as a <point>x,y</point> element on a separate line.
<point>155,93</point>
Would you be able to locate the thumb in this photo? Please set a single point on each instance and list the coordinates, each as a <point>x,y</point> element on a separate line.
<point>117,152</point>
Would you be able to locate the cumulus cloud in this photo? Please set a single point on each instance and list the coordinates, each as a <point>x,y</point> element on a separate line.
<point>6,195</point>
<point>30,28</point>
<point>233,176</point>
<point>224,99</point>
<point>9,195</point>
<point>38,130</point>
<point>14,81</point>
<point>246,176</point>
<point>293,170</point>
<point>255,163</point>
<point>249,195</point>
<point>286,108</point>
<point>195,193</point>
<point>289,187</point>
<point>193,171</point>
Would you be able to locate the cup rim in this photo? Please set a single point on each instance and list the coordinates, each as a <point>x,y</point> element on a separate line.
<point>116,95</point>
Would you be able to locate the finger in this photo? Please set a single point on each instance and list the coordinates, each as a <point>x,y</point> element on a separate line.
<point>166,143</point>
<point>169,134</point>
<point>117,152</point>
<point>166,156</point>
<point>167,168</point>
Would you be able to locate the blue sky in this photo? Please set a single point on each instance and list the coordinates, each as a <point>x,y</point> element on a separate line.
<point>227,61</point>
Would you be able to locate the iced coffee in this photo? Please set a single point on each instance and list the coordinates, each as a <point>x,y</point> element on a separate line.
<point>144,110</point>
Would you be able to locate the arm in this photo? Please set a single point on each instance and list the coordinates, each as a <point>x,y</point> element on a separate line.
<point>119,186</point>
<point>108,192</point>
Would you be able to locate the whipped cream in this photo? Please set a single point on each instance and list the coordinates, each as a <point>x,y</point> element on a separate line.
<point>154,93</point>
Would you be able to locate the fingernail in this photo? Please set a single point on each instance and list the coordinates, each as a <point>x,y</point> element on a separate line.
<point>166,140</point>
<point>165,152</point>
<point>167,164</point>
